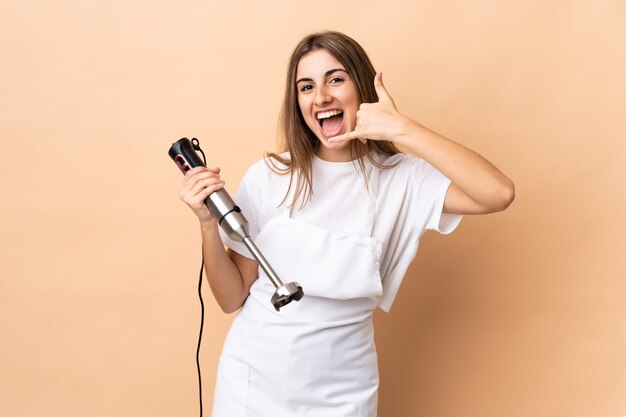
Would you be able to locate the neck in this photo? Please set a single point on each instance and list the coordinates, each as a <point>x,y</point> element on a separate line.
<point>334,155</point>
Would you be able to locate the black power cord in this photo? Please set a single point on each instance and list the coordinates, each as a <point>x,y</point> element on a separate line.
<point>200,335</point>
<point>196,146</point>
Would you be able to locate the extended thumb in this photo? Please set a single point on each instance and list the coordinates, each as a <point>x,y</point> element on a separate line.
<point>380,87</point>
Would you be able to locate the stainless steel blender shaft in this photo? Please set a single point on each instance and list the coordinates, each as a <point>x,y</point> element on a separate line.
<point>254,250</point>
<point>236,227</point>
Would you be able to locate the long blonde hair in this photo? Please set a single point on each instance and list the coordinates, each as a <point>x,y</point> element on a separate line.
<point>295,135</point>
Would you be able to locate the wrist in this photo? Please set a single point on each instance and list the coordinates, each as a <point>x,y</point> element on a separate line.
<point>408,132</point>
<point>209,224</point>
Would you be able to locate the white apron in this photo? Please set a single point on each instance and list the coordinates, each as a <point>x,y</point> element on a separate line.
<point>316,357</point>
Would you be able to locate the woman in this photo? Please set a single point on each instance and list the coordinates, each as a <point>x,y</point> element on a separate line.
<point>340,212</point>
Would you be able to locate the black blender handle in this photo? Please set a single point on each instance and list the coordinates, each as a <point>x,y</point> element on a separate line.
<point>184,155</point>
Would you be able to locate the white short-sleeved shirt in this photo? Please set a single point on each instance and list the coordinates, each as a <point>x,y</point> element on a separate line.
<point>409,201</point>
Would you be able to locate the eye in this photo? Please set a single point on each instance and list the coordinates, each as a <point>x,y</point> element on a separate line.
<point>336,80</point>
<point>306,87</point>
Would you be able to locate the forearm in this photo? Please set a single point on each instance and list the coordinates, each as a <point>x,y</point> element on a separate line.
<point>222,274</point>
<point>480,180</point>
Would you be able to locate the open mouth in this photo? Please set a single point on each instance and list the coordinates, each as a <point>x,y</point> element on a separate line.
<point>330,122</point>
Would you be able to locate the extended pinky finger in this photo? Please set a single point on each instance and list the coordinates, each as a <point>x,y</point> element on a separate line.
<point>344,138</point>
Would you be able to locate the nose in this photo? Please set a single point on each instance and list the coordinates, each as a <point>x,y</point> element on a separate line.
<point>323,96</point>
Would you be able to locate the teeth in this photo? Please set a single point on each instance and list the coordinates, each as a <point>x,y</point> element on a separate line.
<point>327,114</point>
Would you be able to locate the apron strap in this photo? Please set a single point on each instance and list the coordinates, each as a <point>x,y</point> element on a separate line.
<point>286,212</point>
<point>368,221</point>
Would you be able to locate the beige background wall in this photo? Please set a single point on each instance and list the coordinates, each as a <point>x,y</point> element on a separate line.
<point>517,314</point>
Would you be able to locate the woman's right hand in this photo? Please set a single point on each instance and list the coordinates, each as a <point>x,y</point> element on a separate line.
<point>198,183</point>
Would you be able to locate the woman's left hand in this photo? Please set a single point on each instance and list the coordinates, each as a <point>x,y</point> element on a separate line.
<point>375,121</point>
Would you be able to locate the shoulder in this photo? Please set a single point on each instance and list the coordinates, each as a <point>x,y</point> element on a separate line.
<point>267,174</point>
<point>401,163</point>
<point>268,165</point>
<point>410,171</point>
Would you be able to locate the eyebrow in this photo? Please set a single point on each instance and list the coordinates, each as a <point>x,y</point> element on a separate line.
<point>326,74</point>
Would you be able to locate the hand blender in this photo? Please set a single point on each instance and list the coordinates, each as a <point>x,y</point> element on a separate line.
<point>232,220</point>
